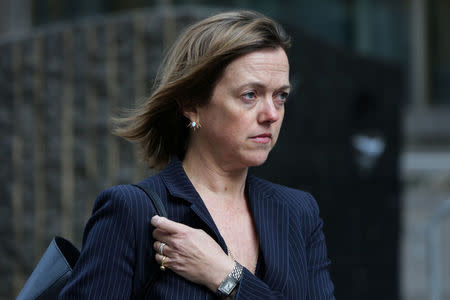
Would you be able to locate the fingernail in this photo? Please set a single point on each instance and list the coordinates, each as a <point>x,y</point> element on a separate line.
<point>155,220</point>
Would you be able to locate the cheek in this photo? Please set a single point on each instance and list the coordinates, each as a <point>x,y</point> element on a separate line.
<point>235,121</point>
<point>243,123</point>
<point>223,124</point>
<point>236,129</point>
<point>278,125</point>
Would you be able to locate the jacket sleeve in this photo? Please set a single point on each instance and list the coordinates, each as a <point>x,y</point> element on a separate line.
<point>251,287</point>
<point>105,267</point>
<point>320,284</point>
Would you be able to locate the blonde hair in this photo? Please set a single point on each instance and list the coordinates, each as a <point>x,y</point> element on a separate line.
<point>187,77</point>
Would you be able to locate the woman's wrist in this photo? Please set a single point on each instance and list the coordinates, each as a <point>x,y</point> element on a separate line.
<point>222,271</point>
<point>229,284</point>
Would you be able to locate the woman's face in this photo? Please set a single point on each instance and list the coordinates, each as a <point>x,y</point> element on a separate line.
<point>242,120</point>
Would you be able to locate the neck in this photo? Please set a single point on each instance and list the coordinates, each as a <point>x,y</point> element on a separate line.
<point>212,177</point>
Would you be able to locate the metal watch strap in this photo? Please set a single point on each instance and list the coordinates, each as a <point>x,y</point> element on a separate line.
<point>230,282</point>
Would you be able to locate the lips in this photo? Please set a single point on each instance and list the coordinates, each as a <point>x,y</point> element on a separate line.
<point>262,138</point>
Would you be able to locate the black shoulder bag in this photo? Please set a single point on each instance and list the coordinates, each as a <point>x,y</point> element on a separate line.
<point>56,265</point>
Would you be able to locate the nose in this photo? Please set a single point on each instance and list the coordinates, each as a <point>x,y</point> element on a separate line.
<point>269,113</point>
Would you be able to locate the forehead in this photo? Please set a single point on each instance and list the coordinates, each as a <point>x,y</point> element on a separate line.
<point>268,67</point>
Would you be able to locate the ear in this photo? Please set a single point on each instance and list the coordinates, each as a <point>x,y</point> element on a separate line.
<point>191,114</point>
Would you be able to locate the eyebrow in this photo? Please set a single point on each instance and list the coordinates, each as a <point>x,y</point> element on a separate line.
<point>259,85</point>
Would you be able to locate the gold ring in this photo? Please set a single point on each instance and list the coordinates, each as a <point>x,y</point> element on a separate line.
<point>161,247</point>
<point>163,267</point>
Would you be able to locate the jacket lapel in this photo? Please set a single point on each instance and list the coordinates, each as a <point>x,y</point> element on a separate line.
<point>271,217</point>
<point>179,185</point>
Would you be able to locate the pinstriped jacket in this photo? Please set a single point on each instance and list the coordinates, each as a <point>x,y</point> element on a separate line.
<point>117,257</point>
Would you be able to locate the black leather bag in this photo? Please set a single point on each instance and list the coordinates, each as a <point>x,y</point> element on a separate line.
<point>52,271</point>
<point>55,267</point>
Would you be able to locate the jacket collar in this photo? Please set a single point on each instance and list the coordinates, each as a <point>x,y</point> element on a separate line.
<point>270,215</point>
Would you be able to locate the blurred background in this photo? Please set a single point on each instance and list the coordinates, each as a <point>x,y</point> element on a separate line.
<point>367,127</point>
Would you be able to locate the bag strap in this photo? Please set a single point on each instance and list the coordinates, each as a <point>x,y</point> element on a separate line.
<point>159,205</point>
<point>161,210</point>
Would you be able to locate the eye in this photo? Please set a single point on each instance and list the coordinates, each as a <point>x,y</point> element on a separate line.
<point>249,96</point>
<point>282,97</point>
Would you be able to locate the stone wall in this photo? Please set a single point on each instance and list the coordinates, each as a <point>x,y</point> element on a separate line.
<point>427,195</point>
<point>58,88</point>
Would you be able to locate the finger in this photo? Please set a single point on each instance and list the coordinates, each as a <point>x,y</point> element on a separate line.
<point>168,225</point>
<point>160,235</point>
<point>165,249</point>
<point>167,261</point>
<point>159,247</point>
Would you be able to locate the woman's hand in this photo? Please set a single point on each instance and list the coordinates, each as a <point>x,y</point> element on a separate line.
<point>191,253</point>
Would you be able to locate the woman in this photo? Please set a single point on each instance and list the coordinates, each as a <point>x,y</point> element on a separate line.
<point>216,111</point>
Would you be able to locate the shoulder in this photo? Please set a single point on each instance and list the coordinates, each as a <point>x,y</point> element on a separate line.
<point>127,198</point>
<point>296,200</point>
<point>301,207</point>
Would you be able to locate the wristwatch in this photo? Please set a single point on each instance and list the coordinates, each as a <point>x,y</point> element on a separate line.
<point>230,282</point>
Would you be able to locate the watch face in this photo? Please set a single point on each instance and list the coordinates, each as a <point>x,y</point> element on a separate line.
<point>228,286</point>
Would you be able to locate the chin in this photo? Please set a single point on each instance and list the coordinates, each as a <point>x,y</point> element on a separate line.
<point>256,159</point>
